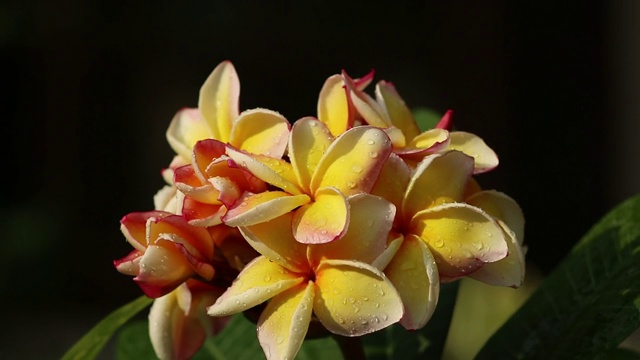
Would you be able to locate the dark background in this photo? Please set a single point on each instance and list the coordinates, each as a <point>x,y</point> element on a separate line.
<point>89,87</point>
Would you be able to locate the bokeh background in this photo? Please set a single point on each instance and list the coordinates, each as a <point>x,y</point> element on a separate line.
<point>88,89</point>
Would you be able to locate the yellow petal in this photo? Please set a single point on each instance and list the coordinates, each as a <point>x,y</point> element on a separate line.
<point>284,322</point>
<point>400,115</point>
<point>323,220</point>
<point>309,140</point>
<point>472,145</point>
<point>253,209</point>
<point>429,142</point>
<point>461,237</point>
<point>218,100</point>
<point>437,179</point>
<point>394,241</point>
<point>414,274</point>
<point>162,268</point>
<point>370,219</point>
<point>276,172</point>
<point>260,131</point>
<point>258,282</point>
<point>333,106</point>
<point>353,161</point>
<point>508,271</point>
<point>502,207</point>
<point>353,298</point>
<point>397,137</point>
<point>186,128</point>
<point>274,239</point>
<point>393,180</point>
<point>370,111</point>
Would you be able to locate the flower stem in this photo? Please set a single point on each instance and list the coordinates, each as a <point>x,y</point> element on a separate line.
<point>351,347</point>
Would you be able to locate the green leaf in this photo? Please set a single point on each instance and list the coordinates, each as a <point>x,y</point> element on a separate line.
<point>588,305</point>
<point>426,118</point>
<point>395,342</point>
<point>92,342</point>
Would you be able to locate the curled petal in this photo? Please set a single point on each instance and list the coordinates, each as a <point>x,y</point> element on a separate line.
<point>258,282</point>
<point>260,131</point>
<point>197,241</point>
<point>206,152</point>
<point>130,264</point>
<point>192,186</point>
<point>201,214</point>
<point>353,298</point>
<point>370,219</point>
<point>276,172</point>
<point>165,199</point>
<point>399,114</point>
<point>134,227</point>
<point>461,237</point>
<point>370,111</point>
<point>162,269</point>
<point>437,179</point>
<point>501,207</point>
<point>275,240</point>
<point>508,271</point>
<point>472,145</point>
<point>284,322</point>
<point>429,142</point>
<point>323,220</point>
<point>253,209</point>
<point>353,161</point>
<point>309,140</point>
<point>396,136</point>
<point>394,241</point>
<point>414,274</point>
<point>218,100</point>
<point>334,108</point>
<point>186,128</point>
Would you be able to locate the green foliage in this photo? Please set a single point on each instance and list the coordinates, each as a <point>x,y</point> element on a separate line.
<point>426,118</point>
<point>588,305</point>
<point>92,342</point>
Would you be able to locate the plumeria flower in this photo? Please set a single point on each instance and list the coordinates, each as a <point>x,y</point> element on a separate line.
<point>389,112</point>
<point>334,282</point>
<point>446,231</point>
<point>322,172</point>
<point>178,321</point>
<point>167,252</point>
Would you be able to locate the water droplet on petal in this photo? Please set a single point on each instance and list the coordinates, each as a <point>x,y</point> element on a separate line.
<point>438,243</point>
<point>279,340</point>
<point>384,317</point>
<point>371,142</point>
<point>267,278</point>
<point>373,154</point>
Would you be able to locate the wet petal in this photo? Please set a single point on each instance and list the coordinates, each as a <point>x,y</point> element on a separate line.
<point>370,111</point>
<point>414,274</point>
<point>134,227</point>
<point>353,298</point>
<point>260,131</point>
<point>253,209</point>
<point>174,228</point>
<point>353,161</point>
<point>192,186</point>
<point>394,241</point>
<point>334,109</point>
<point>437,179</point>
<point>502,207</point>
<point>275,240</point>
<point>393,180</point>
<point>276,172</point>
<point>322,220</point>
<point>201,214</point>
<point>508,271</point>
<point>370,219</point>
<point>186,128</point>
<point>429,142</point>
<point>472,145</point>
<point>206,152</point>
<point>130,264</point>
<point>218,101</point>
<point>164,199</point>
<point>162,269</point>
<point>399,114</point>
<point>284,322</point>
<point>258,282</point>
<point>309,140</point>
<point>461,237</point>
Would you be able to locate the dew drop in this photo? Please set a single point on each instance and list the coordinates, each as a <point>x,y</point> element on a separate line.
<point>439,243</point>
<point>376,305</point>
<point>357,169</point>
<point>267,278</point>
<point>352,300</point>
<point>364,298</point>
<point>336,291</point>
<point>373,154</point>
<point>279,340</point>
<point>384,317</point>
<point>351,184</point>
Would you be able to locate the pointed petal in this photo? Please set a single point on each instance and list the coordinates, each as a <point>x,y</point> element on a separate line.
<point>353,161</point>
<point>218,101</point>
<point>253,209</point>
<point>276,172</point>
<point>309,140</point>
<point>284,322</point>
<point>258,282</point>
<point>334,109</point>
<point>472,145</point>
<point>437,179</point>
<point>429,142</point>
<point>323,220</point>
<point>275,240</point>
<point>370,111</point>
<point>446,122</point>
<point>414,274</point>
<point>162,269</point>
<point>461,237</point>
<point>400,115</point>
<point>130,264</point>
<point>393,180</point>
<point>502,207</point>
<point>508,271</point>
<point>353,298</point>
<point>370,219</point>
<point>186,128</point>
<point>260,131</point>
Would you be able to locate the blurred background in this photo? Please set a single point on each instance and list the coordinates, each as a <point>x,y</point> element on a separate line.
<point>88,89</point>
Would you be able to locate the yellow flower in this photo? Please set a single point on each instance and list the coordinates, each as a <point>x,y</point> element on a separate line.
<point>336,281</point>
<point>322,172</point>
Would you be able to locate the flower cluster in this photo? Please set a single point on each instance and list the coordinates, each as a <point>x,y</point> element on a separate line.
<point>350,219</point>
